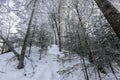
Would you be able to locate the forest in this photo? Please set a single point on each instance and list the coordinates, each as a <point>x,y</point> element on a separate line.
<point>59,39</point>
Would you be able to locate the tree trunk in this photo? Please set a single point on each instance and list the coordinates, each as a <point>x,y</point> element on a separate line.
<point>10,47</point>
<point>55,37</point>
<point>3,48</point>
<point>57,26</point>
<point>87,41</point>
<point>111,14</point>
<point>21,57</point>
<point>31,42</point>
<point>59,37</point>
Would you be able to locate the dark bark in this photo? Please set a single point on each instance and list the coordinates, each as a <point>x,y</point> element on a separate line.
<point>59,37</point>
<point>31,42</point>
<point>21,57</point>
<point>57,26</point>
<point>55,37</point>
<point>2,52</point>
<point>111,14</point>
<point>10,47</point>
<point>53,27</point>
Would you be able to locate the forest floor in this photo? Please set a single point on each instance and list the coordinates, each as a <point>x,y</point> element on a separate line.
<point>35,69</point>
<point>52,66</point>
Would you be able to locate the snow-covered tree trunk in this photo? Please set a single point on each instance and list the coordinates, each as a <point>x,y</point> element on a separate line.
<point>111,14</point>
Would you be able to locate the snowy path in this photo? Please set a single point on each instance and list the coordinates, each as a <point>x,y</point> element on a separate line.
<point>48,69</point>
<point>44,69</point>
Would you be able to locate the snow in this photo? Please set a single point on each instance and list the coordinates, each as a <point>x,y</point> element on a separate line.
<point>35,69</point>
<point>116,4</point>
<point>54,50</point>
<point>53,66</point>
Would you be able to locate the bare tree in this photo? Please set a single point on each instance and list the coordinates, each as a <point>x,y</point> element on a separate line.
<point>21,57</point>
<point>8,32</point>
<point>56,19</point>
<point>9,45</point>
<point>52,24</point>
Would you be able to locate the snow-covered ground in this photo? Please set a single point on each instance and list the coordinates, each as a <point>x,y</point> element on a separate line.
<point>35,69</point>
<point>53,66</point>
